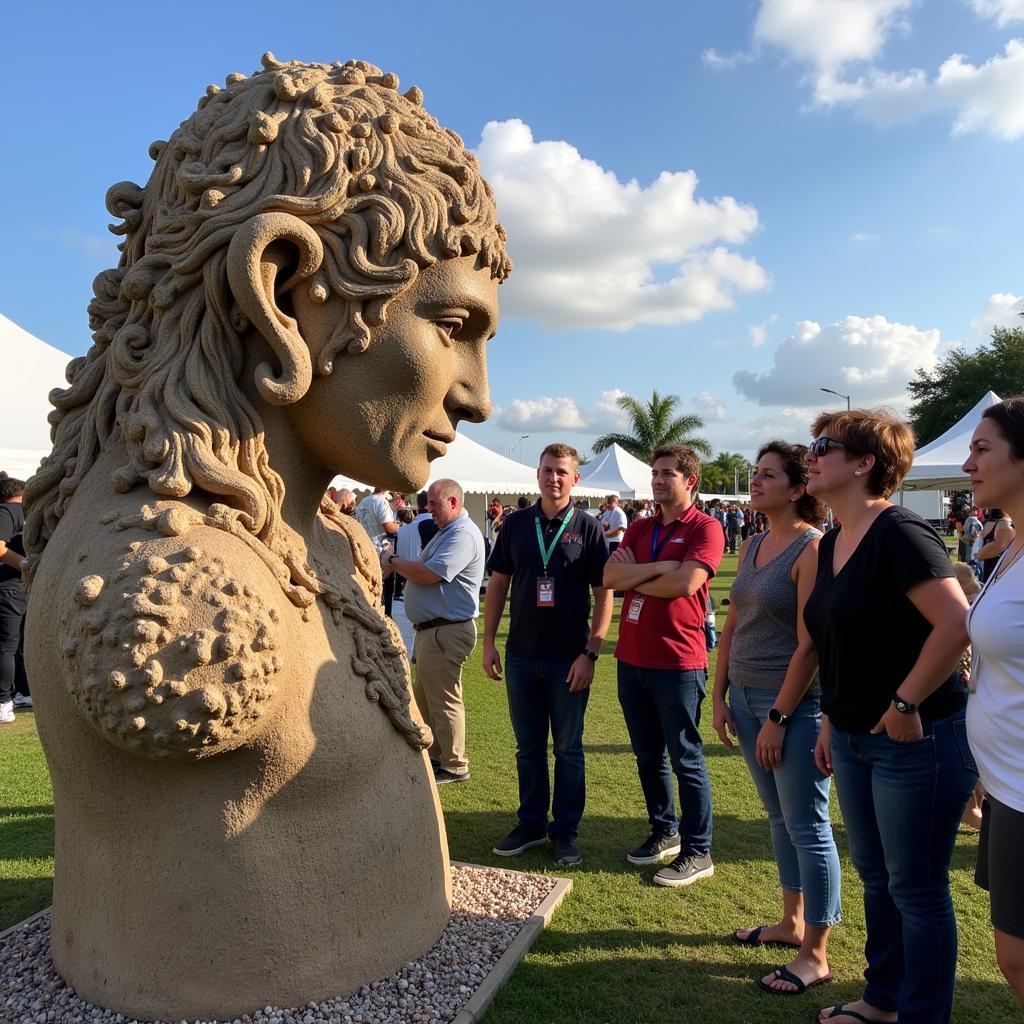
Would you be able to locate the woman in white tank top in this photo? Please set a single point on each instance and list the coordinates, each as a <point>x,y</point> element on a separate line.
<point>995,713</point>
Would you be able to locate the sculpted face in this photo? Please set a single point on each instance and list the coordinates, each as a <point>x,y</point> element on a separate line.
<point>382,415</point>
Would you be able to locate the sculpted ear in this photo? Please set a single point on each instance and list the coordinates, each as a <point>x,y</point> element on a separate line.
<point>254,261</point>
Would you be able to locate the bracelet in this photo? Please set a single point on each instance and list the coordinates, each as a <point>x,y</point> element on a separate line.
<point>592,655</point>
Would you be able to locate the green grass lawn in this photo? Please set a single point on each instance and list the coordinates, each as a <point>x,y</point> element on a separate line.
<point>619,949</point>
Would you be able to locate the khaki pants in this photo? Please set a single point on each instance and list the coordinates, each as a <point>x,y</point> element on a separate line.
<point>440,654</point>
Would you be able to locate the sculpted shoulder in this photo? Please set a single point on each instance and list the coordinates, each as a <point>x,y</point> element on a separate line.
<point>174,648</point>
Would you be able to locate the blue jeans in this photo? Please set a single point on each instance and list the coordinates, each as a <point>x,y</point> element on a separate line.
<point>795,795</point>
<point>662,712</point>
<point>902,804</point>
<point>539,700</point>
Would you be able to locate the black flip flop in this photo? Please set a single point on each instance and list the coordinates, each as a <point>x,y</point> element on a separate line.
<point>754,939</point>
<point>785,974</point>
<point>842,1010</point>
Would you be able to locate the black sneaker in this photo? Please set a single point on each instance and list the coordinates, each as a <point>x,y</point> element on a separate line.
<point>657,848</point>
<point>519,839</point>
<point>686,869</point>
<point>566,852</point>
<point>442,776</point>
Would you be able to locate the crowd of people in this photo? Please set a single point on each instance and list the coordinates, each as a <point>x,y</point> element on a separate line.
<point>844,656</point>
<point>857,653</point>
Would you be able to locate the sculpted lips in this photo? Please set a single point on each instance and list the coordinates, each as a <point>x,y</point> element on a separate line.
<point>441,441</point>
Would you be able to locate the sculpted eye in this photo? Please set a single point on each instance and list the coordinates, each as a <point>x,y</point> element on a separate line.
<point>450,326</point>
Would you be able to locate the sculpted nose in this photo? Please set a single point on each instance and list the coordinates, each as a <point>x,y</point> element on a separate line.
<point>469,397</point>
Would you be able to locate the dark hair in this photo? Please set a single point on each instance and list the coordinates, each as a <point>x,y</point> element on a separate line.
<point>994,514</point>
<point>1008,416</point>
<point>877,432</point>
<point>687,460</point>
<point>421,501</point>
<point>794,464</point>
<point>9,487</point>
<point>522,501</point>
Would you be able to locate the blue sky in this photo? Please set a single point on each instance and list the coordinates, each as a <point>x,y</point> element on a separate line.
<point>735,202</point>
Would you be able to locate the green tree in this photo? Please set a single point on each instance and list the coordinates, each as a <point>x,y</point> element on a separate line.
<point>714,479</point>
<point>733,467</point>
<point>941,396</point>
<point>654,424</point>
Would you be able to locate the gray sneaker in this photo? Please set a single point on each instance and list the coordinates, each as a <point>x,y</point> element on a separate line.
<point>567,854</point>
<point>686,869</point>
<point>655,849</point>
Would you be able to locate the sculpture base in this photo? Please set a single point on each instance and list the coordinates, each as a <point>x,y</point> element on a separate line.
<point>496,916</point>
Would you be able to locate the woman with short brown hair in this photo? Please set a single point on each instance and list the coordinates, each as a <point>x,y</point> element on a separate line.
<point>887,620</point>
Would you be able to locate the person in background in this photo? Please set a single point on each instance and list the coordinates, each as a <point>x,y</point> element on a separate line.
<point>664,565</point>
<point>996,535</point>
<point>766,667</point>
<point>495,512</point>
<point>613,522</point>
<point>972,531</point>
<point>442,600</point>
<point>552,556</point>
<point>995,711</point>
<point>14,691</point>
<point>375,515</point>
<point>522,501</point>
<point>733,526</point>
<point>887,620</point>
<point>346,501</point>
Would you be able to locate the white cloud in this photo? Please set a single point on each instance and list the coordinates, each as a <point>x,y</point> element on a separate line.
<point>541,414</point>
<point>727,61</point>
<point>828,35</point>
<point>746,435</point>
<point>1000,310</point>
<point>759,332</point>
<point>869,358</point>
<point>593,251</point>
<point>865,236</point>
<point>709,407</point>
<point>563,413</point>
<point>607,415</point>
<point>95,248</point>
<point>1002,12</point>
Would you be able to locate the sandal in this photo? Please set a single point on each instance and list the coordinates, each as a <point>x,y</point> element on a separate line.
<point>754,939</point>
<point>841,1010</point>
<point>785,974</point>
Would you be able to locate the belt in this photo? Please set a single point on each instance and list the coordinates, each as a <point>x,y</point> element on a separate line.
<point>434,623</point>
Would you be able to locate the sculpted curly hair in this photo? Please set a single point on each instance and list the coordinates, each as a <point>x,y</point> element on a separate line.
<point>385,189</point>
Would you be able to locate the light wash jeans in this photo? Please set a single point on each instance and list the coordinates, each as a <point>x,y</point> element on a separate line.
<point>795,795</point>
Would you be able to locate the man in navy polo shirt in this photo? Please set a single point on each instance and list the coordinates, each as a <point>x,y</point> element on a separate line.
<point>664,564</point>
<point>552,556</point>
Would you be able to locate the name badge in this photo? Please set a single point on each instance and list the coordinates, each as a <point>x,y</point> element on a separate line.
<point>545,592</point>
<point>635,607</point>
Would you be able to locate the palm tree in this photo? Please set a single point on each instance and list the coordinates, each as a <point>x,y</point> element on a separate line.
<point>653,425</point>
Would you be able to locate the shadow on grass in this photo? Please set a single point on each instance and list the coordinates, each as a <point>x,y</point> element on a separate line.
<point>603,840</point>
<point>710,749</point>
<point>20,898</point>
<point>26,833</point>
<point>648,983</point>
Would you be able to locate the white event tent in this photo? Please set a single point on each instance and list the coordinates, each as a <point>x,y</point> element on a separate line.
<point>483,475</point>
<point>937,465</point>
<point>615,471</point>
<point>31,370</point>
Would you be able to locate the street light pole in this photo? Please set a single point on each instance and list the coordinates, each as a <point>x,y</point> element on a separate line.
<point>521,440</point>
<point>838,395</point>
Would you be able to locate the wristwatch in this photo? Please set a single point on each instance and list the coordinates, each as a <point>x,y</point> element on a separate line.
<point>592,655</point>
<point>902,706</point>
<point>777,717</point>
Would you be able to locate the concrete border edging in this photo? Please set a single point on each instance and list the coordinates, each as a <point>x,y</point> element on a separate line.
<point>479,1002</point>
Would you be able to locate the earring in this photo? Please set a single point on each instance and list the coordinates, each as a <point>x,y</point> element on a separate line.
<point>856,472</point>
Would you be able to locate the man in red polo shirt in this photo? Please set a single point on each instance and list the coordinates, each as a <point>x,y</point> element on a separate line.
<point>664,564</point>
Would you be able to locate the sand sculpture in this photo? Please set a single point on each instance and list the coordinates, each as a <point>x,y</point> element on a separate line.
<point>245,814</point>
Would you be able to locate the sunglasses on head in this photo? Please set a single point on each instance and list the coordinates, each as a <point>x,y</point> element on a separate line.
<point>820,445</point>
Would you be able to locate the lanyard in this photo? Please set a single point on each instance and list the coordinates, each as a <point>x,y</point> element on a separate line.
<point>655,533</point>
<point>546,553</point>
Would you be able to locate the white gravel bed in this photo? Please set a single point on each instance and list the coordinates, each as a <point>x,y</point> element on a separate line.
<point>489,908</point>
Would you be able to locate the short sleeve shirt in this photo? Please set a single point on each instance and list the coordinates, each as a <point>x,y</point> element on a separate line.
<point>669,632</point>
<point>456,554</point>
<point>373,512</point>
<point>867,632</point>
<point>576,565</point>
<point>615,519</point>
<point>12,521</point>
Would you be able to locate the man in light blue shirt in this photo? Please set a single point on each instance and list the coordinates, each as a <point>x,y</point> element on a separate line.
<point>442,600</point>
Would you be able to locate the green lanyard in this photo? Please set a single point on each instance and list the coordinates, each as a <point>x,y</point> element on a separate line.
<point>546,553</point>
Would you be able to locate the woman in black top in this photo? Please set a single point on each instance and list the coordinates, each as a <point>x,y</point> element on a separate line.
<point>997,535</point>
<point>12,604</point>
<point>888,621</point>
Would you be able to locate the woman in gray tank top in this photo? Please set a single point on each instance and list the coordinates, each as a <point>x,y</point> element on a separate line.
<point>766,664</point>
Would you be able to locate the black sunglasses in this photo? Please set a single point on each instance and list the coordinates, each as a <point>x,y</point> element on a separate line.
<point>820,445</point>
